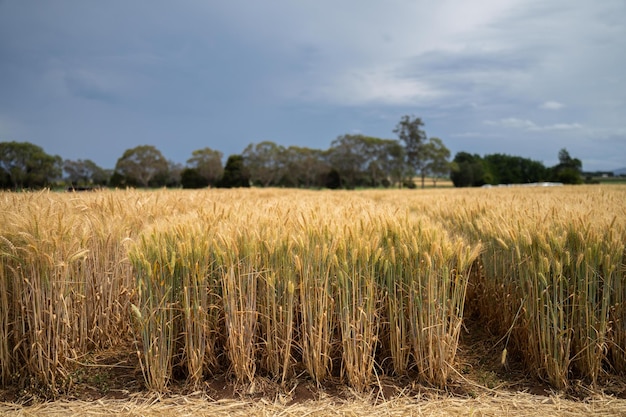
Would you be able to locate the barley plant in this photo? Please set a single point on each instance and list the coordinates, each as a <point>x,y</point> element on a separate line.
<point>6,311</point>
<point>277,304</point>
<point>159,282</point>
<point>335,285</point>
<point>358,256</point>
<point>239,277</point>
<point>313,262</point>
<point>555,268</point>
<point>617,315</point>
<point>47,305</point>
<point>199,298</point>
<point>108,275</point>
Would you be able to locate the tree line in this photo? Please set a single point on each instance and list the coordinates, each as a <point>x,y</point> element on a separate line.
<point>353,160</point>
<point>467,170</point>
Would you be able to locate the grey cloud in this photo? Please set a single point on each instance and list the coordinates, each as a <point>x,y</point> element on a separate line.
<point>472,76</point>
<point>525,124</point>
<point>84,86</point>
<point>551,105</point>
<point>465,62</point>
<point>305,72</point>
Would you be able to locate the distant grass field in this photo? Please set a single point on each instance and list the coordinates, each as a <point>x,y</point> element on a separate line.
<point>433,183</point>
<point>610,180</point>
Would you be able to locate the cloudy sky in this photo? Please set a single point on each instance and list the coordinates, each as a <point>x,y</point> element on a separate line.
<point>90,79</point>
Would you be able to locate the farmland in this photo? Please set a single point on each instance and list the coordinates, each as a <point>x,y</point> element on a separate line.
<point>334,287</point>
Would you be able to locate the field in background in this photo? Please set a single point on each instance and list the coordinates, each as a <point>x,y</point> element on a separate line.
<point>335,287</point>
<point>433,182</point>
<point>610,180</point>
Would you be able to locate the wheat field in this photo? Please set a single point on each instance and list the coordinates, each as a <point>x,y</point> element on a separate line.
<point>346,286</point>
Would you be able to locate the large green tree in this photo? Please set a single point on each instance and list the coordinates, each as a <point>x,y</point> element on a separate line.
<point>348,155</point>
<point>392,161</point>
<point>25,165</point>
<point>569,170</point>
<point>141,165</point>
<point>409,131</point>
<point>174,174</point>
<point>437,157</point>
<point>423,156</point>
<point>84,172</point>
<point>304,167</point>
<point>207,164</point>
<point>384,158</point>
<point>190,178</point>
<point>235,174</point>
<point>365,161</point>
<point>468,170</point>
<point>265,163</point>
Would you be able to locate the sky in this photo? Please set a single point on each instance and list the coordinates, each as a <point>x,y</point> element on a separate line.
<point>88,79</point>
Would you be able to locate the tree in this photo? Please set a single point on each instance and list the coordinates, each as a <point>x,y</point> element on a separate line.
<point>467,170</point>
<point>348,155</point>
<point>409,130</point>
<point>569,170</point>
<point>208,164</point>
<point>235,174</point>
<point>304,167</point>
<point>174,174</point>
<point>141,165</point>
<point>506,169</point>
<point>365,161</point>
<point>391,160</point>
<point>24,165</point>
<point>191,178</point>
<point>384,157</point>
<point>84,172</point>
<point>332,180</point>
<point>264,162</point>
<point>436,156</point>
